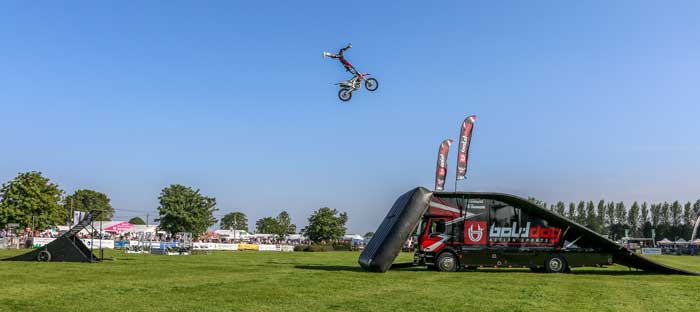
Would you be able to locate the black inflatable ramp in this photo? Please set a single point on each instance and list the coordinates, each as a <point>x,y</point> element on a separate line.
<point>67,247</point>
<point>386,243</point>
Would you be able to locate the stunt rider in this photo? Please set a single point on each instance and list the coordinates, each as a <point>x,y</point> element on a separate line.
<point>347,87</point>
<point>340,56</point>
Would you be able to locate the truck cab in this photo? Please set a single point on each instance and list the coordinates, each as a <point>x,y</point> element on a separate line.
<point>475,230</point>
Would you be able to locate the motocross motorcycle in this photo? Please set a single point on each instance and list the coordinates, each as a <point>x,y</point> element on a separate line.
<point>347,87</point>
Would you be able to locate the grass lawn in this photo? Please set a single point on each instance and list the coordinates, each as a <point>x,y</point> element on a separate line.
<point>271,281</point>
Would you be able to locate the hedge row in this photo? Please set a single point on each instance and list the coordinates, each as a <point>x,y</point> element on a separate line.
<point>328,247</point>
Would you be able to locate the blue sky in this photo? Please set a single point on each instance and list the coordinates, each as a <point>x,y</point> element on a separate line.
<point>578,100</point>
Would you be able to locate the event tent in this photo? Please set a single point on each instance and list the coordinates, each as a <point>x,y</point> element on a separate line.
<point>353,237</point>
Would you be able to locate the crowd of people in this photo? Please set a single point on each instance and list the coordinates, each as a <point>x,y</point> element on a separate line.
<point>24,237</point>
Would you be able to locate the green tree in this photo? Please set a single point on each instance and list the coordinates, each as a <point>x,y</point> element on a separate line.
<point>581,213</point>
<point>644,213</point>
<point>696,207</point>
<point>633,219</point>
<point>655,215</point>
<point>234,221</point>
<point>676,214</point>
<point>665,214</point>
<point>571,214</point>
<point>183,209</point>
<point>611,214</point>
<point>601,214</point>
<point>30,199</point>
<point>620,213</point>
<point>266,225</point>
<point>591,219</point>
<point>688,214</point>
<point>137,221</point>
<point>284,225</point>
<point>560,208</point>
<point>326,224</point>
<point>87,200</point>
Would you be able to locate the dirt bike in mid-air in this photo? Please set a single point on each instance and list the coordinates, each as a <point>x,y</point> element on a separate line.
<point>347,87</point>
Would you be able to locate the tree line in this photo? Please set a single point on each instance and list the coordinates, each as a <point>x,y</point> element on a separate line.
<point>32,200</point>
<point>325,224</point>
<point>667,220</point>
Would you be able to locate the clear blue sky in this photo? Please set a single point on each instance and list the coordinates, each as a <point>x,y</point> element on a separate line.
<point>576,100</point>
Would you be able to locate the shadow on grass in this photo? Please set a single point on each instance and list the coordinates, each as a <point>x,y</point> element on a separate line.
<point>334,268</point>
<point>408,267</point>
<point>613,273</point>
<point>347,268</point>
<point>573,272</point>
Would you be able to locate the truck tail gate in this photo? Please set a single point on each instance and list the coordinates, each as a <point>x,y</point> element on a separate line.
<point>387,241</point>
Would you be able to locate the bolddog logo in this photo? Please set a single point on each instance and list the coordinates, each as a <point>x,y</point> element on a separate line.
<point>536,234</point>
<point>475,232</point>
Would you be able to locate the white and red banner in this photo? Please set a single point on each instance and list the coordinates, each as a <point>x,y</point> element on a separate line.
<point>119,227</point>
<point>441,170</point>
<point>465,138</point>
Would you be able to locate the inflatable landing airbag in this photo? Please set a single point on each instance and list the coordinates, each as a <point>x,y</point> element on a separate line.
<point>386,244</point>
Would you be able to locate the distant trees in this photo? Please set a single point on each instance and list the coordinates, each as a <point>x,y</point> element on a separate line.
<point>265,225</point>
<point>234,221</point>
<point>281,225</point>
<point>87,200</point>
<point>571,214</point>
<point>137,221</point>
<point>671,220</point>
<point>31,200</point>
<point>633,218</point>
<point>560,208</point>
<point>284,225</point>
<point>183,209</point>
<point>326,224</point>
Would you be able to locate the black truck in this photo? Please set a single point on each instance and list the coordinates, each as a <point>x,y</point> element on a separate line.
<point>469,230</point>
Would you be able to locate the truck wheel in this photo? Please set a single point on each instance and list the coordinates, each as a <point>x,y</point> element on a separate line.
<point>43,256</point>
<point>555,264</point>
<point>447,262</point>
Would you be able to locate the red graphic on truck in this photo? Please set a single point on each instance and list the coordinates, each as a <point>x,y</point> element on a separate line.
<point>475,232</point>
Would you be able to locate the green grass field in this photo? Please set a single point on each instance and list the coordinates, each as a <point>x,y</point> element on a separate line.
<point>271,281</point>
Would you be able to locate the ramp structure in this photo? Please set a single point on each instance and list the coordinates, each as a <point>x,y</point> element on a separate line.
<point>410,207</point>
<point>67,247</point>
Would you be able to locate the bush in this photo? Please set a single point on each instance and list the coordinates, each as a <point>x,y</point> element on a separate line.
<point>342,247</point>
<point>316,248</point>
<point>324,247</point>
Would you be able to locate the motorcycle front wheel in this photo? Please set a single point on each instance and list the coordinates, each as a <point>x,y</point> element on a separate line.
<point>371,84</point>
<point>345,94</point>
